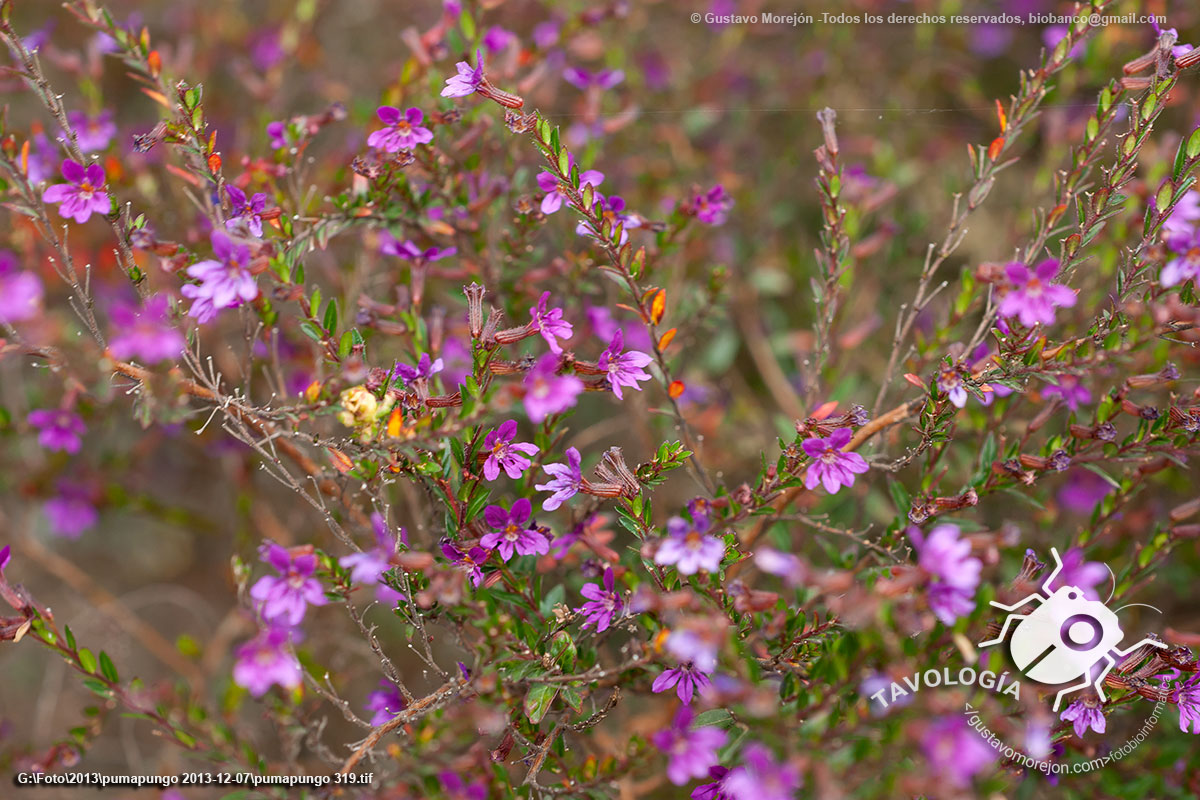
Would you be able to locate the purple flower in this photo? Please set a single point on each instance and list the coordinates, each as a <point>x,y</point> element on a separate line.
<point>604,327</point>
<point>20,292</point>
<point>246,212</point>
<point>696,646</point>
<point>497,39</point>
<point>58,429</point>
<point>953,573</point>
<point>1084,714</point>
<point>71,512</point>
<point>950,382</point>
<point>1185,216</point>
<point>603,604</point>
<point>386,702</point>
<point>550,324</point>
<point>469,560</point>
<point>546,34</point>
<point>147,334</point>
<point>1083,490</point>
<point>278,132</point>
<point>265,660</point>
<point>1187,696</point>
<point>511,533</point>
<point>1071,390</point>
<point>581,78</point>
<point>1053,34</point>
<point>457,361</point>
<point>830,465</point>
<point>225,282</point>
<point>785,565</point>
<point>284,599</point>
<point>956,752</point>
<point>467,81</point>
<point>408,250</point>
<point>1083,575</point>
<point>368,566</point>
<point>83,194</point>
<point>623,369</point>
<point>547,392</point>
<point>266,49</point>
<point>612,208</point>
<point>458,789</point>
<point>712,207</point>
<point>504,454</point>
<point>566,480</point>
<point>424,369</point>
<point>689,547</point>
<point>761,777</point>
<point>42,158</point>
<point>400,132</point>
<point>1031,296</point>
<point>1185,266</point>
<point>686,679</point>
<point>691,752</point>
<point>555,196</point>
<point>714,790</point>
<point>93,133</point>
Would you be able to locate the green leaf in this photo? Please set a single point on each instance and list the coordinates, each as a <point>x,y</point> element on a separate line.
<point>331,316</point>
<point>87,660</point>
<point>312,331</point>
<point>1193,144</point>
<point>562,650</point>
<point>107,669</point>
<point>573,698</point>
<point>715,716</point>
<point>346,344</point>
<point>538,700</point>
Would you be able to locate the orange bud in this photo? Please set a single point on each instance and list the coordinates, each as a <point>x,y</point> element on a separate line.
<point>665,340</point>
<point>658,307</point>
<point>915,380</point>
<point>395,423</point>
<point>675,389</point>
<point>995,147</point>
<point>154,61</point>
<point>156,97</point>
<point>341,461</point>
<point>313,391</point>
<point>825,409</point>
<point>1003,117</point>
<point>214,162</point>
<point>25,157</point>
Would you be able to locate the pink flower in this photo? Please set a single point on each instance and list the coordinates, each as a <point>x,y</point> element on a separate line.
<point>1084,714</point>
<point>93,134</point>
<point>623,369</point>
<point>1185,266</point>
<point>1031,296</point>
<point>386,702</point>
<point>467,81</point>
<point>712,207</point>
<point>686,679</point>
<point>581,78</point>
<point>1071,389</point>
<point>264,661</point>
<point>146,334</point>
<point>512,535</point>
<point>84,193</point>
<point>555,196</point>
<point>20,292</point>
<point>224,283</point>
<point>567,480</point>
<point>1083,575</point>
<point>830,466</point>
<point>503,453</point>
<point>58,429</point>
<point>550,324</point>
<point>401,132</point>
<point>761,777</point>
<point>689,547</point>
<point>691,752</point>
<point>603,603</point>
<point>246,212</point>
<point>954,575</point>
<point>547,392</point>
<point>284,599</point>
<point>71,512</point>
<point>955,751</point>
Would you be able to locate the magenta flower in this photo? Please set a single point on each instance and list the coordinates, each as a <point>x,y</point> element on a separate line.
<point>956,752</point>
<point>686,679</point>
<point>689,547</point>
<point>511,533</point>
<point>400,132</point>
<point>93,133</point>
<point>1083,575</point>
<point>505,454</point>
<point>623,369</point>
<point>1187,696</point>
<point>224,283</point>
<point>278,132</point>
<point>246,212</point>
<point>612,208</point>
<point>712,207</point>
<point>1083,490</point>
<point>368,566</point>
<point>467,81</point>
<point>58,429</point>
<point>408,250</point>
<point>497,39</point>
<point>265,660</point>
<point>386,702</point>
<point>1185,266</point>
<point>1071,389</point>
<point>283,600</point>
<point>71,512</point>
<point>760,777</point>
<point>555,196</point>
<point>953,574</point>
<point>581,78</point>
<point>698,647</point>
<point>424,369</point>
<point>146,335</point>
<point>785,565</point>
<point>1083,715</point>
<point>603,603</point>
<point>1185,216</point>
<point>456,788</point>
<point>82,195</point>
<point>691,752</point>
<point>566,480</point>
<point>469,561</point>
<point>547,392</point>
<point>20,292</point>
<point>714,789</point>
<point>831,466</point>
<point>550,324</point>
<point>1031,296</point>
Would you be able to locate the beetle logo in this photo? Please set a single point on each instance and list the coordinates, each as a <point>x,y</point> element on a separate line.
<point>1064,637</point>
